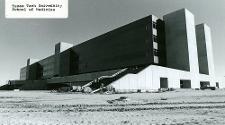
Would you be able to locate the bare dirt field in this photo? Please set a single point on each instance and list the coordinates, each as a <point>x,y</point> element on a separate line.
<point>187,107</point>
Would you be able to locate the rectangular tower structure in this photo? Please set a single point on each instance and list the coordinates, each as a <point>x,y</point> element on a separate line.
<point>181,46</point>
<point>205,52</point>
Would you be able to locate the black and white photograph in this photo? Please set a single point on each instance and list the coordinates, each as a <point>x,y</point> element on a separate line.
<point>112,62</point>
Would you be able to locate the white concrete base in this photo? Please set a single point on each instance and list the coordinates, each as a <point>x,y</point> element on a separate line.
<point>149,79</point>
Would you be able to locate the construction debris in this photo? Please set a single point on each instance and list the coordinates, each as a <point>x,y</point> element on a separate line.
<point>121,99</point>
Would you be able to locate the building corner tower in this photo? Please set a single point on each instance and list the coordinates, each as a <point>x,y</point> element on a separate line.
<point>181,43</point>
<point>205,51</point>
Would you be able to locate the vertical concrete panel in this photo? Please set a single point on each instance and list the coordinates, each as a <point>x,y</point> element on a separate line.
<point>210,57</point>
<point>221,81</point>
<point>205,53</point>
<point>125,82</point>
<point>116,84</point>
<point>142,80</point>
<point>57,60</point>
<point>181,41</point>
<point>23,73</point>
<point>176,40</point>
<point>192,44</point>
<point>209,47</point>
<point>59,47</point>
<point>192,47</point>
<point>48,67</point>
<point>65,46</point>
<point>155,78</point>
<point>172,78</point>
<point>202,51</point>
<point>175,79</point>
<point>28,68</point>
<point>149,79</point>
<point>134,81</point>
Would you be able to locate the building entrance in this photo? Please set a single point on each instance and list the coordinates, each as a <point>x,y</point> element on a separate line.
<point>185,84</point>
<point>163,82</point>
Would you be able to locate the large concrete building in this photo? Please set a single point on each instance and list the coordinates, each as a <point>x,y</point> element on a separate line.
<point>147,54</point>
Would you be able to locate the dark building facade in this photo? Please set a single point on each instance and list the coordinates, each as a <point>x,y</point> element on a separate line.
<point>149,53</point>
<point>139,43</point>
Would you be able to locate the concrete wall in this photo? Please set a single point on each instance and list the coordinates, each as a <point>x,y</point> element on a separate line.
<point>205,52</point>
<point>192,43</point>
<point>176,40</point>
<point>23,73</point>
<point>221,81</point>
<point>127,46</point>
<point>209,47</point>
<point>202,50</point>
<point>68,63</point>
<point>35,72</point>
<point>149,79</point>
<point>181,40</point>
<point>30,62</point>
<point>48,67</point>
<point>59,48</point>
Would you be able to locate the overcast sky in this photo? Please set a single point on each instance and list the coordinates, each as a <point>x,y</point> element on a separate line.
<point>29,38</point>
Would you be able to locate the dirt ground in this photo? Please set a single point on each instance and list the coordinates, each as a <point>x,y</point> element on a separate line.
<point>179,107</point>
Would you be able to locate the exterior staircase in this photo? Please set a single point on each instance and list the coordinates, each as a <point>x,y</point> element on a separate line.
<point>103,81</point>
